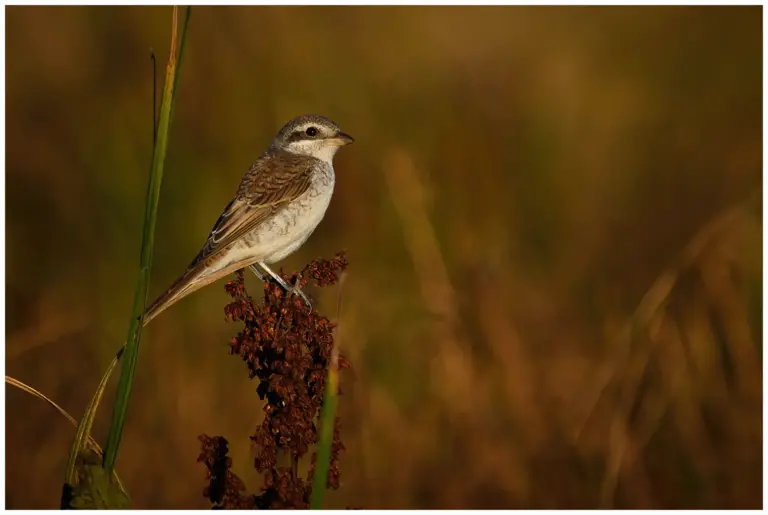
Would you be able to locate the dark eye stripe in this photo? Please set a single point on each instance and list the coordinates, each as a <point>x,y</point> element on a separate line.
<point>298,136</point>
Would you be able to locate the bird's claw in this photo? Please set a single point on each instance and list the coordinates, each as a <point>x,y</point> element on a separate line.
<point>296,290</point>
<point>289,290</point>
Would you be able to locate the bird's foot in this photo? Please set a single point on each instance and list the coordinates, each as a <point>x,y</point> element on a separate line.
<point>296,290</point>
<point>289,290</point>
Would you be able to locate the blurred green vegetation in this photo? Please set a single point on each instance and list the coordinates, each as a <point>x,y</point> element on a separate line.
<point>553,220</point>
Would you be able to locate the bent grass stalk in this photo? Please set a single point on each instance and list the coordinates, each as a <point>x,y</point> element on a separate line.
<point>85,425</point>
<point>93,444</point>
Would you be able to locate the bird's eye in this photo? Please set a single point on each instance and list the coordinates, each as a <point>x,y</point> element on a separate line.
<point>312,132</point>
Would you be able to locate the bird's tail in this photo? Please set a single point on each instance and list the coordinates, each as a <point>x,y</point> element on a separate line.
<point>199,274</point>
<point>192,280</point>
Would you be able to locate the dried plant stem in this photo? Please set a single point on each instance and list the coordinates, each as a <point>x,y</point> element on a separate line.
<point>647,318</point>
<point>655,300</point>
<point>85,425</point>
<point>409,197</point>
<point>93,444</point>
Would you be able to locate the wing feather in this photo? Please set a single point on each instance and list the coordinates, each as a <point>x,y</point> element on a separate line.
<point>271,183</point>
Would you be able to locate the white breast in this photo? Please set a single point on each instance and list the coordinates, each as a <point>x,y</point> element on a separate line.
<point>281,236</point>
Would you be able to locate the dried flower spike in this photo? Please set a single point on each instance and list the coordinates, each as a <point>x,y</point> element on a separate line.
<point>288,351</point>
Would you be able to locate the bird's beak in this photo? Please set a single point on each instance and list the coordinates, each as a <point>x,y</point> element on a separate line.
<point>342,138</point>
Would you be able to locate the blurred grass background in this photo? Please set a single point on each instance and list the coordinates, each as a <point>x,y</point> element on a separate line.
<point>553,219</point>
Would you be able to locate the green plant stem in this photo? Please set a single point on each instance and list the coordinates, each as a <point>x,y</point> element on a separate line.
<point>147,245</point>
<point>182,46</point>
<point>327,416</point>
<point>327,419</point>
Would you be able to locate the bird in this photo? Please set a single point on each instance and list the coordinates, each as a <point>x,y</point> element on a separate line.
<point>280,201</point>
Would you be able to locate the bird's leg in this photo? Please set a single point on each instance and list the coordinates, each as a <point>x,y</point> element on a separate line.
<point>295,289</point>
<point>276,277</point>
<point>258,273</point>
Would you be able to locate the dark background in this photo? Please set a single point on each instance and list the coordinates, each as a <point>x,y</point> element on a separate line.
<point>552,216</point>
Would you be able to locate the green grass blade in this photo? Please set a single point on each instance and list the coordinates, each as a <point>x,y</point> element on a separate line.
<point>326,437</point>
<point>327,418</point>
<point>147,245</point>
<point>182,46</point>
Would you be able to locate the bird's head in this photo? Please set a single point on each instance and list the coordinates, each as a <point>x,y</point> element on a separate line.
<point>312,135</point>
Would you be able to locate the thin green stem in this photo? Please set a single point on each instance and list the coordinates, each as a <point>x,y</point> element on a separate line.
<point>327,417</point>
<point>147,245</point>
